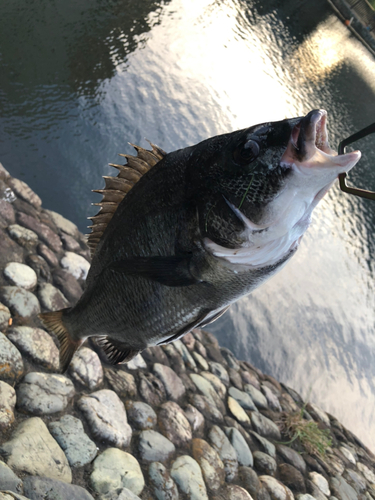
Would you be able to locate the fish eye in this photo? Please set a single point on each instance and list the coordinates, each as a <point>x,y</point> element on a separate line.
<point>246,153</point>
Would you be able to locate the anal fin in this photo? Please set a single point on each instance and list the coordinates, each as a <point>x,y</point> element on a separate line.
<point>115,352</point>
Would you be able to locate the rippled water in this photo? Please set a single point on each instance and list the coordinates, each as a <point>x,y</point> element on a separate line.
<point>81,78</point>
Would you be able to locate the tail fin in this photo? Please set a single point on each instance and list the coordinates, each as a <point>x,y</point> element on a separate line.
<point>53,322</point>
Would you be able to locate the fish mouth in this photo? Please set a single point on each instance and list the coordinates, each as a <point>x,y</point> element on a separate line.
<point>311,131</point>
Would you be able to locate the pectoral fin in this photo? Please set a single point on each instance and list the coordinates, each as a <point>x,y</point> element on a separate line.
<point>169,271</point>
<point>115,352</point>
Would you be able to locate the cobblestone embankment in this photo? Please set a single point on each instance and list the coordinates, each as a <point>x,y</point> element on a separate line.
<point>183,421</point>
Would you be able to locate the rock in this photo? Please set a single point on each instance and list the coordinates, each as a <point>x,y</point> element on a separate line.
<point>210,463</point>
<point>174,358</point>
<point>155,354</point>
<point>11,364</point>
<point>369,474</point>
<point>266,445</point>
<point>115,469</point>
<point>244,455</point>
<point>238,412</point>
<point>78,447</point>
<point>20,301</point>
<point>188,476</point>
<point>258,398</point>
<point>70,243</point>
<point>225,450</point>
<point>63,224</point>
<point>185,354</point>
<point>305,496</point>
<point>235,378</point>
<point>40,267</point>
<point>51,298</point>
<point>122,383</point>
<point>200,349</point>
<point>33,450</point>
<point>200,361</point>
<point>195,418</point>
<point>44,232</point>
<point>173,384</point>
<point>230,358</point>
<point>288,404</point>
<point>106,416</point>
<point>214,354</point>
<point>141,415</point>
<point>292,478</point>
<point>356,480</point>
<point>264,463</point>
<point>314,490</point>
<point>321,482</point>
<point>319,413</point>
<point>20,275</point>
<point>8,479</point>
<point>10,251</point>
<point>86,368</point>
<point>242,398</point>
<point>10,495</point>
<point>7,404</point>
<point>348,454</point>
<point>207,389</point>
<point>272,399</point>
<point>341,489</point>
<point>126,494</point>
<point>250,378</point>
<point>189,341</point>
<point>292,457</point>
<point>48,255</point>
<point>265,427</point>
<point>7,212</point>
<point>205,406</point>
<point>235,492</point>
<point>216,383</point>
<point>174,424</point>
<point>249,480</point>
<point>136,363</point>
<point>4,317</point>
<point>164,486</point>
<point>37,344</point>
<point>25,192</point>
<point>42,488</point>
<point>154,447</point>
<point>76,265</point>
<point>151,389</point>
<point>276,489</point>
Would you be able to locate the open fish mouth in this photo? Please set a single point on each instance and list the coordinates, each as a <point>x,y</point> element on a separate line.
<point>314,131</point>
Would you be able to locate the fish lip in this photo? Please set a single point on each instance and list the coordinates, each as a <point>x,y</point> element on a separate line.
<point>311,132</point>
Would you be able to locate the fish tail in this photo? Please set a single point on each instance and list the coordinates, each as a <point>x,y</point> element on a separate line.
<point>53,321</point>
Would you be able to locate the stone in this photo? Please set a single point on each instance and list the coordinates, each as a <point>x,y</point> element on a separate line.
<point>173,384</point>
<point>155,354</point>
<point>264,463</point>
<point>164,486</point>
<point>106,416</point>
<point>7,404</point>
<point>42,488</point>
<point>195,418</point>
<point>126,494</point>
<point>174,424</point>
<point>86,368</point>
<point>40,267</point>
<point>235,492</point>
<point>292,478</point>
<point>214,354</point>
<point>200,361</point>
<point>249,377</point>
<point>33,450</point>
<point>276,489</point>
<point>25,192</point>
<point>51,298</point>
<point>305,496</point>
<point>4,316</point>
<point>185,354</point>
<point>175,360</point>
<point>356,480</point>
<point>20,301</point>
<point>140,415</point>
<point>136,363</point>
<point>36,344</point>
<point>200,349</point>
<point>8,479</point>
<point>205,406</point>
<point>7,211</point>
<point>11,364</point>
<point>244,455</point>
<point>189,341</point>
<point>44,394</point>
<point>266,445</point>
<point>314,490</point>
<point>115,469</point>
<point>235,378</point>
<point>154,447</point>
<point>272,399</point>
<point>265,427</point>
<point>225,450</point>
<point>369,474</point>
<point>341,489</point>
<point>10,251</point>
<point>151,389</point>
<point>321,482</point>
<point>288,404</point>
<point>230,358</point>
<point>48,255</point>
<point>63,224</point>
<point>206,388</point>
<point>122,383</point>
<point>24,237</point>
<point>237,411</point>
<point>242,398</point>
<point>292,457</point>
<point>44,232</point>
<point>216,383</point>
<point>20,275</point>
<point>249,480</point>
<point>70,243</point>
<point>319,413</point>
<point>188,476</point>
<point>10,495</point>
<point>348,454</point>
<point>77,446</point>
<point>258,398</point>
<point>76,265</point>
<point>210,463</point>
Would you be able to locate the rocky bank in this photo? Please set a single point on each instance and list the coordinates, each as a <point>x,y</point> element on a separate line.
<point>184,421</point>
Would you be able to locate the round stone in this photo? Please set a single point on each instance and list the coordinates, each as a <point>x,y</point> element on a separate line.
<point>264,463</point>
<point>227,453</point>
<point>265,427</point>
<point>51,298</point>
<point>42,488</point>
<point>272,399</point>
<point>219,370</point>
<point>8,479</point>
<point>25,237</point>
<point>201,362</point>
<point>174,387</point>
<point>206,388</point>
<point>291,477</point>
<point>4,316</point>
<point>11,364</point>
<point>292,457</point>
<point>25,192</point>
<point>174,424</point>
<point>235,492</point>
<point>209,411</point>
<point>164,486</point>
<point>237,411</point>
<point>76,265</point>
<point>321,482</point>
<point>258,398</point>
<point>141,415</point>
<point>210,463</point>
<point>37,344</point>
<point>20,275</point>
<point>63,224</point>
<point>122,383</point>
<point>216,383</point>
<point>249,480</point>
<point>276,489</point>
<point>20,301</point>
<point>153,446</point>
<point>195,418</point>
<point>136,363</point>
<point>151,389</point>
<point>86,368</point>
<point>7,404</point>
<point>188,475</point>
<point>244,455</point>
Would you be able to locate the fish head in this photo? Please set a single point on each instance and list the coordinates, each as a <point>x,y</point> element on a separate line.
<point>272,176</point>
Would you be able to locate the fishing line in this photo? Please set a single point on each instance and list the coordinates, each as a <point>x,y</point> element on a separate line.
<point>247,190</point>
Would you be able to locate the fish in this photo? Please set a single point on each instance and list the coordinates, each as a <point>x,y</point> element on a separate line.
<point>179,237</point>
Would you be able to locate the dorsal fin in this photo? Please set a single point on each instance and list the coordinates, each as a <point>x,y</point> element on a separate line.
<point>116,188</point>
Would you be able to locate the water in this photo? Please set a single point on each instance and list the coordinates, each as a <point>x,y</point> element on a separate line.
<point>81,78</point>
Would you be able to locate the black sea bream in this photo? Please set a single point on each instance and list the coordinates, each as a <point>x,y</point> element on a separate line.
<point>181,236</point>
